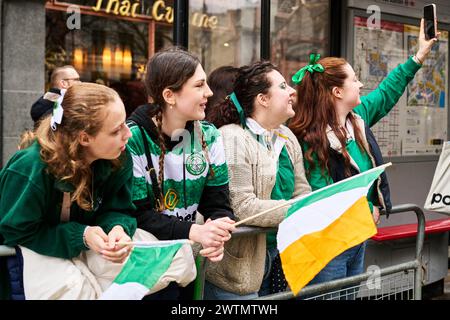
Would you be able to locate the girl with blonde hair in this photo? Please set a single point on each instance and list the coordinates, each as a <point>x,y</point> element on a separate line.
<point>64,199</point>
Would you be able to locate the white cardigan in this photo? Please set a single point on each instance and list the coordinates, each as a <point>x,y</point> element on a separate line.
<point>252,171</point>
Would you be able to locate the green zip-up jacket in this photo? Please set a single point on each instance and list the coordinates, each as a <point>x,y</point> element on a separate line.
<point>373,108</point>
<point>31,199</point>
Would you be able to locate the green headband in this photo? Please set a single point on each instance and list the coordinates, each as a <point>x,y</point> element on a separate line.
<point>312,67</point>
<point>238,108</point>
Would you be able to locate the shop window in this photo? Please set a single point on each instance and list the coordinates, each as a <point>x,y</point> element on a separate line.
<point>298,27</point>
<point>225,32</point>
<point>106,49</point>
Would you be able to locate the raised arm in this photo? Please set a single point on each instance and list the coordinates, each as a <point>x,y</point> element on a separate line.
<point>380,101</point>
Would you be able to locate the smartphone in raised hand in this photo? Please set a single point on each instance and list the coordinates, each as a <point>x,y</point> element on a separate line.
<point>429,15</point>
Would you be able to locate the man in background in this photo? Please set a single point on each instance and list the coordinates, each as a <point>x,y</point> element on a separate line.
<point>61,78</point>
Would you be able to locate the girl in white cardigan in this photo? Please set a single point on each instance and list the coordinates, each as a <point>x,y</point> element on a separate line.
<point>265,167</point>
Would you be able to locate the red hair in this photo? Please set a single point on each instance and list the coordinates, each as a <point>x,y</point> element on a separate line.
<point>315,111</point>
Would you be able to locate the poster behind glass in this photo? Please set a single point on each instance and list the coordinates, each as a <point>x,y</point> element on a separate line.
<point>417,125</point>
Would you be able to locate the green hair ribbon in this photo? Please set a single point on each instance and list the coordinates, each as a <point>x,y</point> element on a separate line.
<point>239,109</point>
<point>311,67</point>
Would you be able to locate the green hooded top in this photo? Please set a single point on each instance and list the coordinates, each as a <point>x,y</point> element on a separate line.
<point>31,199</point>
<point>373,107</point>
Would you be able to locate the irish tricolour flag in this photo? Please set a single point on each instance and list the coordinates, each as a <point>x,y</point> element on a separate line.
<point>152,265</point>
<point>323,224</point>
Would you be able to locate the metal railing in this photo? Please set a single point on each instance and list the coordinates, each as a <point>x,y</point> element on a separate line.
<point>415,265</point>
<point>201,262</point>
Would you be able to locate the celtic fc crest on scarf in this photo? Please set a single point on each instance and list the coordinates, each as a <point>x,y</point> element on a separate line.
<point>196,164</point>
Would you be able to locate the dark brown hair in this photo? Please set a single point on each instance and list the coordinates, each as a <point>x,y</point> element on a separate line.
<point>250,81</point>
<point>221,82</point>
<point>315,111</point>
<point>169,69</point>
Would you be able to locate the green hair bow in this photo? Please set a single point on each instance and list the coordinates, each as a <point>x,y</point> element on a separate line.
<point>239,109</point>
<point>312,67</point>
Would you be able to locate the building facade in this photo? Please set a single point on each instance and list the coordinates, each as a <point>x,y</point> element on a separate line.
<point>109,42</point>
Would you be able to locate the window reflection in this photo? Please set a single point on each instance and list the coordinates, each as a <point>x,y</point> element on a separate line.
<point>105,50</point>
<point>225,32</point>
<point>298,27</point>
<point>113,49</point>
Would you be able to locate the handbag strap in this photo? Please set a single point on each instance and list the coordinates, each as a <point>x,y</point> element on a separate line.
<point>65,207</point>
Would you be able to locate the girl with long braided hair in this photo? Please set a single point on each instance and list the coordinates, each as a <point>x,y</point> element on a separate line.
<point>266,169</point>
<point>174,179</point>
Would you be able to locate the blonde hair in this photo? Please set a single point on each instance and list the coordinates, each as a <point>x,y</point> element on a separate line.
<point>26,139</point>
<point>84,105</point>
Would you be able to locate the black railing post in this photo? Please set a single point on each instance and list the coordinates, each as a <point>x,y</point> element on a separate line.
<point>335,27</point>
<point>181,23</point>
<point>265,30</point>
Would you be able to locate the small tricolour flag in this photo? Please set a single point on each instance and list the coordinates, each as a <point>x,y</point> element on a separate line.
<point>323,224</point>
<point>152,265</point>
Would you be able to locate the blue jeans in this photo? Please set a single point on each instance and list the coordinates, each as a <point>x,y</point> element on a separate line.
<point>212,292</point>
<point>347,264</point>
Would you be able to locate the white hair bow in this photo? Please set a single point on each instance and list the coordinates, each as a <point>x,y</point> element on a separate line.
<point>57,111</point>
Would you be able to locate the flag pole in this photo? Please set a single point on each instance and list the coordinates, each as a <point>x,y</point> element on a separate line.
<point>289,202</point>
<point>149,243</point>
